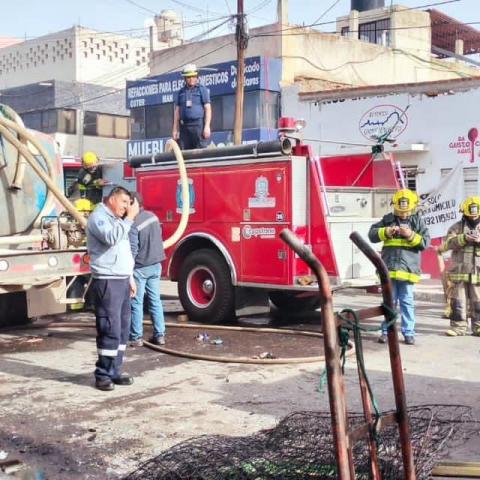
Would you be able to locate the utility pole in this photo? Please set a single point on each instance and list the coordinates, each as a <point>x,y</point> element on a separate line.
<point>242,40</point>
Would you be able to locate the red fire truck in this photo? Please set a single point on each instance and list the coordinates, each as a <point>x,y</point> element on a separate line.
<point>230,258</point>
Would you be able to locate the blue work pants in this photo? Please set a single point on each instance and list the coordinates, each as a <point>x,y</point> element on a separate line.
<point>148,281</point>
<point>191,135</point>
<point>112,314</point>
<point>402,292</point>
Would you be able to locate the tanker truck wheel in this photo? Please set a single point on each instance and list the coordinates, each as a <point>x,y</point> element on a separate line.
<point>292,303</point>
<point>205,287</point>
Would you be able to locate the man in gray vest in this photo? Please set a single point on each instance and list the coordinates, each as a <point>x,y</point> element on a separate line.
<point>147,249</point>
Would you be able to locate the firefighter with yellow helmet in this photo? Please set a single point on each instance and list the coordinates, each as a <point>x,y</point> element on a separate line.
<point>463,239</point>
<point>89,183</point>
<point>404,235</point>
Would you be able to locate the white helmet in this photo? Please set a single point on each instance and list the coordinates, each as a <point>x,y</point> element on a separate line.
<point>190,70</point>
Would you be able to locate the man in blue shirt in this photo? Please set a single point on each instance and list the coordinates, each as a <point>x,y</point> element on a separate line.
<point>111,264</point>
<point>193,112</point>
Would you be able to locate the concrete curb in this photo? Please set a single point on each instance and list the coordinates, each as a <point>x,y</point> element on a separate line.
<point>426,296</point>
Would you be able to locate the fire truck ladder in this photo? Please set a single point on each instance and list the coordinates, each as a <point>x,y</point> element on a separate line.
<point>333,324</point>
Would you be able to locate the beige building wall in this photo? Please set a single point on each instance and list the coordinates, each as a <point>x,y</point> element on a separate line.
<point>75,145</point>
<point>331,61</point>
<point>216,50</point>
<point>76,54</point>
<point>409,29</point>
<point>345,61</point>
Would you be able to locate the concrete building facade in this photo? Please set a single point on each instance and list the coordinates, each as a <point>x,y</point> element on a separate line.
<point>71,84</point>
<point>77,54</point>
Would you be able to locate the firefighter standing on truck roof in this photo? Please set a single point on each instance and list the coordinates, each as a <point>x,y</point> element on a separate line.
<point>404,235</point>
<point>463,239</point>
<point>89,183</point>
<point>193,112</point>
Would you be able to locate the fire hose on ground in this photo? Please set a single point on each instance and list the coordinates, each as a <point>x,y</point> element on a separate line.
<point>216,358</point>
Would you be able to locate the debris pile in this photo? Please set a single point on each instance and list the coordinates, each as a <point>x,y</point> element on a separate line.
<point>301,446</point>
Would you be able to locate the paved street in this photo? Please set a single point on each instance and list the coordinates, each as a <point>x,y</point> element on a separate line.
<point>54,420</point>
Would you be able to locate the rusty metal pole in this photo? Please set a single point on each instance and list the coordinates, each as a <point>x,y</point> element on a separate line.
<point>395,359</point>
<point>336,390</point>
<point>241,38</point>
<point>367,414</point>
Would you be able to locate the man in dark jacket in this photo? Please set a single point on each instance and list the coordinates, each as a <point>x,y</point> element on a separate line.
<point>404,235</point>
<point>147,249</point>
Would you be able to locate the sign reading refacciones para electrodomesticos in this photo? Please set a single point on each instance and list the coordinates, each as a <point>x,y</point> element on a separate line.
<point>261,73</point>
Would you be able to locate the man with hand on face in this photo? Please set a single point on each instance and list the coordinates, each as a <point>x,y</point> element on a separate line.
<point>111,265</point>
<point>193,112</point>
<point>404,235</point>
<point>463,239</point>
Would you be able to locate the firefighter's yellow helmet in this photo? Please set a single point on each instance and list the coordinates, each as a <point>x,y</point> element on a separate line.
<point>404,201</point>
<point>471,207</point>
<point>89,159</point>
<point>190,70</point>
<point>84,205</point>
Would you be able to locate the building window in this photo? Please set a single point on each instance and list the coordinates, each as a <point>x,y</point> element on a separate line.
<point>137,123</point>
<point>67,121</point>
<point>345,31</point>
<point>409,175</point>
<point>51,121</point>
<point>261,110</point>
<point>105,125</point>
<point>375,32</point>
<point>90,124</point>
<point>158,120</point>
<point>32,120</point>
<point>122,127</point>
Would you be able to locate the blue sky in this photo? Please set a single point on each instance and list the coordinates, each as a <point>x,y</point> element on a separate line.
<point>32,18</point>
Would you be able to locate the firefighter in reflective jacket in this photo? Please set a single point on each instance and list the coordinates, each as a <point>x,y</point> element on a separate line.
<point>404,234</point>
<point>463,239</point>
<point>89,183</point>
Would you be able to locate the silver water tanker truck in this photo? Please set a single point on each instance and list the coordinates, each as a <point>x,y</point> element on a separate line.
<point>42,240</point>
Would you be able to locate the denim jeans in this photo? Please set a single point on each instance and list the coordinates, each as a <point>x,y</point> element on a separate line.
<point>148,281</point>
<point>403,294</point>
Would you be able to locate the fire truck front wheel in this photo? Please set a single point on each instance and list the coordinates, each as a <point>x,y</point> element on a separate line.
<point>205,288</point>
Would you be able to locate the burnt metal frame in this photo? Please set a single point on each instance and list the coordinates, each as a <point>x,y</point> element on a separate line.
<point>343,436</point>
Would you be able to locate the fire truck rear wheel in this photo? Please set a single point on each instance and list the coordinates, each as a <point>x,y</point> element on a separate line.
<point>291,302</point>
<point>205,288</point>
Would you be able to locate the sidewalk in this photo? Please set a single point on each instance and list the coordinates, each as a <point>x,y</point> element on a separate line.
<point>428,290</point>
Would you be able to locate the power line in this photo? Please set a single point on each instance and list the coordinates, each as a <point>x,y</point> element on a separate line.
<point>366,17</point>
<point>326,11</point>
<point>293,34</point>
<point>141,7</point>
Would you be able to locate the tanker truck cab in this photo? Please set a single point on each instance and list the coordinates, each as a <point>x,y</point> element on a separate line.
<point>230,259</point>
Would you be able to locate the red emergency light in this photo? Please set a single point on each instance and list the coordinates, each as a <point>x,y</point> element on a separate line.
<point>289,125</point>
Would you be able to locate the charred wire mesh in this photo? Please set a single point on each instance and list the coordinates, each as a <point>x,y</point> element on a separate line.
<point>301,447</point>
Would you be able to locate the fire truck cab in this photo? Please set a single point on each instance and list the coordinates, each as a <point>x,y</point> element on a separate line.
<point>230,259</point>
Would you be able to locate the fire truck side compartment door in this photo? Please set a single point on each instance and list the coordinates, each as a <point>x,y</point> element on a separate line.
<point>276,196</point>
<point>352,263</point>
